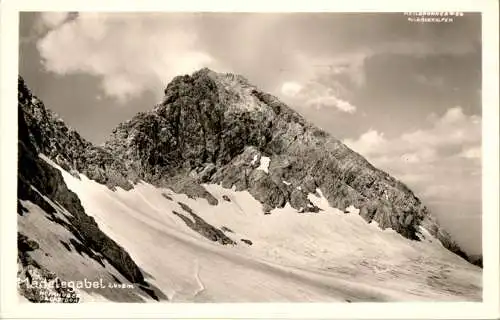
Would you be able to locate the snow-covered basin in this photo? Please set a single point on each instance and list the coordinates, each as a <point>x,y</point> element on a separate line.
<point>325,256</point>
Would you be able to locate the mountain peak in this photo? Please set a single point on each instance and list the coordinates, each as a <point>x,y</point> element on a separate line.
<point>222,77</point>
<point>234,91</point>
<point>217,127</point>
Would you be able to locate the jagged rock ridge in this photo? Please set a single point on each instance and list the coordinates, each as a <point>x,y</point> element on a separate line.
<point>49,135</point>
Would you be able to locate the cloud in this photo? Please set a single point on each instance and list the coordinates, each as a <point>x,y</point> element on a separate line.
<point>134,53</point>
<point>291,88</point>
<point>368,143</point>
<point>341,67</point>
<point>453,129</point>
<point>317,95</point>
<point>439,162</point>
<point>331,101</point>
<point>446,136</point>
<point>130,53</point>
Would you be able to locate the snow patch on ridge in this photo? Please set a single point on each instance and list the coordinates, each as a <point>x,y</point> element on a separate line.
<point>264,164</point>
<point>319,199</point>
<point>352,209</point>
<point>49,161</point>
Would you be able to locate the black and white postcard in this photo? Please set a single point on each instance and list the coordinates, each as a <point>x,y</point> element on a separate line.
<point>171,160</point>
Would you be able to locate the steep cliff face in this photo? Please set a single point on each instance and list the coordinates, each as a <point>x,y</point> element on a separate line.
<point>49,135</point>
<point>218,128</point>
<point>44,201</point>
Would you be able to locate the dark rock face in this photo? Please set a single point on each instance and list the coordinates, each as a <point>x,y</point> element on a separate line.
<point>226,229</point>
<point>477,260</point>
<point>49,135</point>
<point>247,241</point>
<point>220,127</point>
<point>191,188</point>
<point>38,181</point>
<point>24,244</point>
<point>196,223</point>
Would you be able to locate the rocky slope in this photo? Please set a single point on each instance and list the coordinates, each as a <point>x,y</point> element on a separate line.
<point>218,128</point>
<point>49,135</point>
<point>41,186</point>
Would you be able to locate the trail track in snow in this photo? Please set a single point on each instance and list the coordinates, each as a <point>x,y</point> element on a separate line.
<point>198,279</point>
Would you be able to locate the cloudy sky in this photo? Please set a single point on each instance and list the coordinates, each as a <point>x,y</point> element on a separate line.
<point>405,95</point>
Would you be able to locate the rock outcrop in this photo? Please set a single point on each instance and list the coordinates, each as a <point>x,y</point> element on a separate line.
<point>197,224</point>
<point>50,136</point>
<point>476,260</point>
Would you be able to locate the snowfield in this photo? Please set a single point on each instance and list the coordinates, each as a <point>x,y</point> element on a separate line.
<point>287,256</point>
